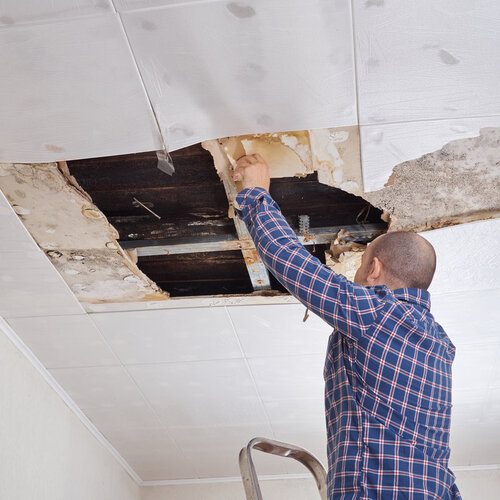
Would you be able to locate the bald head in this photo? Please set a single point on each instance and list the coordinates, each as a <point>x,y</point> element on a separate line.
<point>409,260</point>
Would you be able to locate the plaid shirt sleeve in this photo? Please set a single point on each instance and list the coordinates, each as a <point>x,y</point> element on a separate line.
<point>347,307</point>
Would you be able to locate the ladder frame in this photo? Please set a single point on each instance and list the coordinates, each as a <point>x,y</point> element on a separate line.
<point>249,475</point>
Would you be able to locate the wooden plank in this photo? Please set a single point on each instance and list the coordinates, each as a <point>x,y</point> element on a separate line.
<point>199,274</point>
<point>144,230</point>
<point>140,171</point>
<point>199,201</point>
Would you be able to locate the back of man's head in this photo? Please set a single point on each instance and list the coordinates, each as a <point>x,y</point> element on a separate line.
<point>409,260</point>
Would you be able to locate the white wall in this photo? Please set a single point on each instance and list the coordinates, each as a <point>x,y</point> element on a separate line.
<point>474,485</point>
<point>294,489</point>
<point>46,453</point>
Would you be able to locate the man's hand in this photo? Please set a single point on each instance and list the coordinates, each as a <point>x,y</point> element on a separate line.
<point>252,171</point>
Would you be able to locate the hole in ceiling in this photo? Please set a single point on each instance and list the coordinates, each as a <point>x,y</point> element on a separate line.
<point>180,227</point>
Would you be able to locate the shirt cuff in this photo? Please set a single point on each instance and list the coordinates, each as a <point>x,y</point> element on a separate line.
<point>247,198</point>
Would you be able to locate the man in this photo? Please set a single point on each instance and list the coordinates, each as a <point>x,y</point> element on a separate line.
<point>388,364</point>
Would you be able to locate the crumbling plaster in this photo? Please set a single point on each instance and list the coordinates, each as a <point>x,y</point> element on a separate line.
<point>74,234</point>
<point>458,183</point>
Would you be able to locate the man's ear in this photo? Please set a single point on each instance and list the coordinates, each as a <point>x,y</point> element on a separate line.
<point>375,273</point>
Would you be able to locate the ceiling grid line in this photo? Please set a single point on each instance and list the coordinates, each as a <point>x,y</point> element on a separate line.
<point>247,364</point>
<point>161,421</point>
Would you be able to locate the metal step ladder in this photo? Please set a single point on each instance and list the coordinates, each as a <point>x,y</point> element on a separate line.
<point>247,468</point>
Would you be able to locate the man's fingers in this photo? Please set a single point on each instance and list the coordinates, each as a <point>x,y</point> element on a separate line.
<point>238,173</point>
<point>248,160</point>
<point>243,162</point>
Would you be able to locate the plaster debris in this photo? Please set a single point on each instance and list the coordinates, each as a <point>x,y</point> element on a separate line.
<point>83,245</point>
<point>344,255</point>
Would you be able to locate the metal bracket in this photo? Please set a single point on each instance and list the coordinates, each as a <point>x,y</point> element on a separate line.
<point>315,236</point>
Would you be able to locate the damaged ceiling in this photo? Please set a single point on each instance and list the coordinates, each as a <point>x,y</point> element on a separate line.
<point>118,229</point>
<point>395,106</point>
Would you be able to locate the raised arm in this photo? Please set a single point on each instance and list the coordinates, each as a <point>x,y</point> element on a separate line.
<point>344,305</point>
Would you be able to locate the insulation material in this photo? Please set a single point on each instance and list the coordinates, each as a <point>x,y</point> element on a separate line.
<point>427,60</point>
<point>74,234</point>
<point>458,183</point>
<point>71,90</point>
<point>333,153</point>
<point>216,69</point>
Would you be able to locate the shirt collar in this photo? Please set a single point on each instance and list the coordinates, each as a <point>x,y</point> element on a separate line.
<point>414,295</point>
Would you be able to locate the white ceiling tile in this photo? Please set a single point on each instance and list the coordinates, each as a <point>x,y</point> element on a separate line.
<point>16,12</point>
<point>495,377</point>
<point>426,59</point>
<point>473,366</point>
<point>64,341</point>
<point>201,392</point>
<point>162,465</point>
<point>468,409</point>
<point>99,387</point>
<point>123,5</point>
<point>31,286</point>
<point>15,236</point>
<point>142,441</point>
<point>289,377</point>
<point>215,69</point>
<point>458,314</point>
<point>308,412</point>
<point>467,257</point>
<point>123,419</point>
<point>214,450</point>
<point>169,335</point>
<point>151,452</point>
<point>224,463</point>
<point>462,439</point>
<point>384,146</point>
<point>486,445</point>
<point>279,330</point>
<point>78,90</point>
<point>228,437</point>
<point>468,403</point>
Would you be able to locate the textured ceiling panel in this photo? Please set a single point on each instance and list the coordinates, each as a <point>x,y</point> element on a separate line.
<point>201,393</point>
<point>386,145</point>
<point>123,5</point>
<point>14,12</point>
<point>213,70</point>
<point>72,91</point>
<point>426,59</point>
<point>467,257</point>
<point>162,336</point>
<point>32,287</point>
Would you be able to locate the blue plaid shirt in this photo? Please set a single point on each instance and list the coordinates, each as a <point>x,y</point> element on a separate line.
<point>387,371</point>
